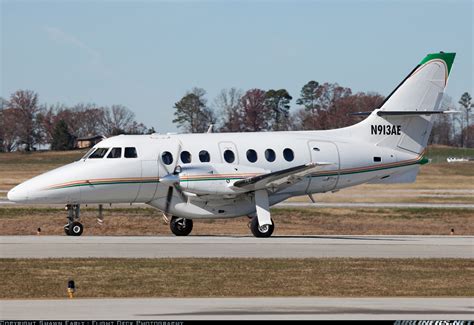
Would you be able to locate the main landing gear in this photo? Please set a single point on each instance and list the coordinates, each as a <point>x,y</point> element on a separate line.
<point>181,226</point>
<point>73,226</point>
<point>261,231</point>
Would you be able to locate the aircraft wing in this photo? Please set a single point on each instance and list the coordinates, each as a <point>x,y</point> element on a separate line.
<point>280,179</point>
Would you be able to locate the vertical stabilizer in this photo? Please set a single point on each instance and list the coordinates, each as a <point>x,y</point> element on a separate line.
<point>400,122</point>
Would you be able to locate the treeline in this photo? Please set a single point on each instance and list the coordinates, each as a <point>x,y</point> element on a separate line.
<point>320,107</point>
<point>25,123</point>
<point>455,129</point>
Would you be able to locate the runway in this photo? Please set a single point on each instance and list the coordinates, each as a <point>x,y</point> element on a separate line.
<point>237,247</point>
<point>239,308</point>
<point>375,205</point>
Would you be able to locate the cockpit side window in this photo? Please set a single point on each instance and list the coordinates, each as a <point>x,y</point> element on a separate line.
<point>99,153</point>
<point>115,153</point>
<point>130,152</point>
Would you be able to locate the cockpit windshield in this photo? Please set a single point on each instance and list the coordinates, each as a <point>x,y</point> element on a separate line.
<point>99,153</point>
<point>116,152</point>
<point>91,150</point>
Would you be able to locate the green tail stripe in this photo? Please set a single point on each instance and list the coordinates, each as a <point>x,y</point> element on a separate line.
<point>448,58</point>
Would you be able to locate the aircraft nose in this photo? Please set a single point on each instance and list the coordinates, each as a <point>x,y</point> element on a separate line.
<point>18,194</point>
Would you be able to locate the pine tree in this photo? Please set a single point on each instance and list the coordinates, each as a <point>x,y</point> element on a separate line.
<point>192,114</point>
<point>309,96</point>
<point>278,102</point>
<point>466,105</point>
<point>62,139</point>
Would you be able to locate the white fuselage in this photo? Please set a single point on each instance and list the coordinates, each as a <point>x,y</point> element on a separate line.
<point>209,188</point>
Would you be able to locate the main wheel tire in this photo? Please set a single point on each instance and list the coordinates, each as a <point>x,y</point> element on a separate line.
<point>76,229</point>
<point>261,231</point>
<point>181,226</point>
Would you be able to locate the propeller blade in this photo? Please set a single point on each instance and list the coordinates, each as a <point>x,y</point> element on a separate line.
<point>169,196</point>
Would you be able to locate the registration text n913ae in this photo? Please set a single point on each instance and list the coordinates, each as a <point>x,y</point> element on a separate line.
<point>385,129</point>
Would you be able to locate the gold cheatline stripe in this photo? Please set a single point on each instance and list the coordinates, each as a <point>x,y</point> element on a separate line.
<point>212,176</point>
<point>219,176</point>
<point>102,180</point>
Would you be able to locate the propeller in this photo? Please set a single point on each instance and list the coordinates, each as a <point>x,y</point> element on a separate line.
<point>172,180</point>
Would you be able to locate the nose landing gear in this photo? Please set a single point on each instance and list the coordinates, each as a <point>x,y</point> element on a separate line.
<point>73,226</point>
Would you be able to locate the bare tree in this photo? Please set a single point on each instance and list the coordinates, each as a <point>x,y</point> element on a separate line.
<point>9,129</point>
<point>25,104</point>
<point>87,120</point>
<point>339,112</point>
<point>255,114</point>
<point>228,106</point>
<point>117,119</point>
<point>3,104</point>
<point>48,117</point>
<point>444,126</point>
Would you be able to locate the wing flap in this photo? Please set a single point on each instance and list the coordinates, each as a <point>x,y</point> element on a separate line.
<point>276,180</point>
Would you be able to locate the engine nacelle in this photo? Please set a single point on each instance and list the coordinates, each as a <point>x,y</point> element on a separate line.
<point>214,178</point>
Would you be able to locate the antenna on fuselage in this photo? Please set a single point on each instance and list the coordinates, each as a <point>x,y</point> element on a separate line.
<point>211,128</point>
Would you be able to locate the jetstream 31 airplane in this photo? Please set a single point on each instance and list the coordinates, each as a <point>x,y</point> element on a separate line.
<point>226,175</point>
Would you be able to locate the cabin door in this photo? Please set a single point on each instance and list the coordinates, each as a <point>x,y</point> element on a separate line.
<point>326,178</point>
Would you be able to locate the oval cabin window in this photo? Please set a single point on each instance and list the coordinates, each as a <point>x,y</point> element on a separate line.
<point>204,156</point>
<point>288,154</point>
<point>229,156</point>
<point>185,157</point>
<point>251,155</point>
<point>167,158</point>
<point>270,155</point>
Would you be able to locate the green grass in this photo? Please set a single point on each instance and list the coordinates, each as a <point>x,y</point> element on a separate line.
<point>41,157</point>
<point>438,154</point>
<point>47,278</point>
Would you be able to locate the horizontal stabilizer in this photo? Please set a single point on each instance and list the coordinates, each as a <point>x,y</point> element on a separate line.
<point>404,113</point>
<point>408,113</point>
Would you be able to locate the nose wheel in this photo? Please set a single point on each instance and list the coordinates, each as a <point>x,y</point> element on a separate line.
<point>74,229</point>
<point>73,226</point>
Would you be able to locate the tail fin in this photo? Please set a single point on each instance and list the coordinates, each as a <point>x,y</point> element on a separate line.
<point>404,120</point>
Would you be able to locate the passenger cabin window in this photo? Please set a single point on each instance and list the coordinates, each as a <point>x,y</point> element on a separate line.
<point>167,158</point>
<point>204,156</point>
<point>130,152</point>
<point>229,156</point>
<point>288,154</point>
<point>115,153</point>
<point>270,155</point>
<point>251,155</point>
<point>185,157</point>
<point>99,153</point>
